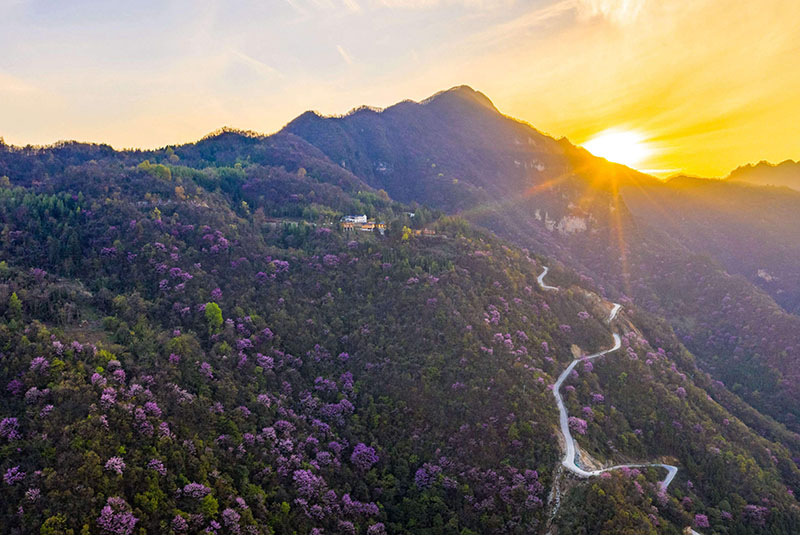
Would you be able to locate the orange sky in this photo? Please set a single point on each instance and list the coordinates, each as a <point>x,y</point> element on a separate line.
<point>710,84</point>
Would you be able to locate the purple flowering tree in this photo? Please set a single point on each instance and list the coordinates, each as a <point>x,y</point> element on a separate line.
<point>13,476</point>
<point>116,518</point>
<point>9,428</point>
<point>116,465</point>
<point>701,521</point>
<point>578,425</point>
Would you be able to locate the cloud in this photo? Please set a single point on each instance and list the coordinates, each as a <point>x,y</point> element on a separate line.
<point>12,85</point>
<point>259,66</point>
<point>296,6</point>
<point>352,5</point>
<point>522,24</point>
<point>428,4</point>
<point>617,11</point>
<point>304,7</point>
<point>345,56</point>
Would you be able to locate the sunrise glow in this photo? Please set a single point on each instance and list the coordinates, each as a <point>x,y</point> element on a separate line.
<point>570,68</point>
<point>626,147</point>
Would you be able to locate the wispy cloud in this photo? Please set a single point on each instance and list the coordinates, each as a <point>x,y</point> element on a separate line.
<point>345,56</point>
<point>258,65</point>
<point>352,5</point>
<point>12,85</point>
<point>358,6</point>
<point>617,11</point>
<point>297,6</point>
<point>511,29</point>
<point>304,7</point>
<point>428,4</point>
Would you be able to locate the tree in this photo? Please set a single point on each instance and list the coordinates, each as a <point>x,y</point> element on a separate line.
<point>159,171</point>
<point>55,525</point>
<point>14,307</point>
<point>213,317</point>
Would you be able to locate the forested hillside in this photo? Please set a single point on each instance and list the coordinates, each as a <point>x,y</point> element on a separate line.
<point>192,343</point>
<point>668,247</point>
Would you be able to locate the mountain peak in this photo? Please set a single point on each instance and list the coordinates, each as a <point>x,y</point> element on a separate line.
<point>463,93</point>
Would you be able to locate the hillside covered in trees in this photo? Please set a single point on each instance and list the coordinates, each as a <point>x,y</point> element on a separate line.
<point>678,249</point>
<point>191,343</point>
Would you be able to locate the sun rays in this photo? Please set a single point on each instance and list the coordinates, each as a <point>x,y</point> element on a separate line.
<point>627,147</point>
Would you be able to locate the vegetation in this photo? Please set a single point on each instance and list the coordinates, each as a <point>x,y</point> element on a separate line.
<point>191,344</point>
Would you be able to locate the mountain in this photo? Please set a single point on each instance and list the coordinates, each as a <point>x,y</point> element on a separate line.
<point>751,230</point>
<point>766,174</point>
<point>454,149</point>
<point>192,342</point>
<point>551,196</point>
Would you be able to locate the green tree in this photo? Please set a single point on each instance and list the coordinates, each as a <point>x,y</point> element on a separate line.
<point>160,171</point>
<point>213,317</point>
<point>55,525</point>
<point>209,506</point>
<point>14,307</point>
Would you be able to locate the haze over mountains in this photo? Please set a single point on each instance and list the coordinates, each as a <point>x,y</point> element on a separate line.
<point>204,319</point>
<point>766,174</point>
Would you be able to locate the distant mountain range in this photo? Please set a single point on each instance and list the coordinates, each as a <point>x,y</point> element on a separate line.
<point>766,174</point>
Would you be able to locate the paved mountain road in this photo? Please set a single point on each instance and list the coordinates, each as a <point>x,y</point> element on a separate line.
<point>568,461</point>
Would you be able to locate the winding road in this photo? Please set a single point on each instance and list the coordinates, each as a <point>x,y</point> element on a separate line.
<point>568,461</point>
<point>540,280</point>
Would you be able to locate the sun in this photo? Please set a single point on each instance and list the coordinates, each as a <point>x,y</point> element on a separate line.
<point>627,147</point>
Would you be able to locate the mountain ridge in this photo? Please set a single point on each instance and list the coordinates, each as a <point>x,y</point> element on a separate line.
<point>192,341</point>
<point>551,196</point>
<point>786,173</point>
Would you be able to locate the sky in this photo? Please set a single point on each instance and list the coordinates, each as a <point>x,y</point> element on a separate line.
<point>708,85</point>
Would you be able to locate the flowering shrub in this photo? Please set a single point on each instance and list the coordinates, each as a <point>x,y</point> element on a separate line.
<point>195,490</point>
<point>40,365</point>
<point>115,464</point>
<point>157,466</point>
<point>363,457</point>
<point>13,475</point>
<point>116,518</point>
<point>701,521</point>
<point>9,428</point>
<point>578,425</point>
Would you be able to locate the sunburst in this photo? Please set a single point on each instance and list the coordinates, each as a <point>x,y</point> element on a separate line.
<point>627,147</point>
